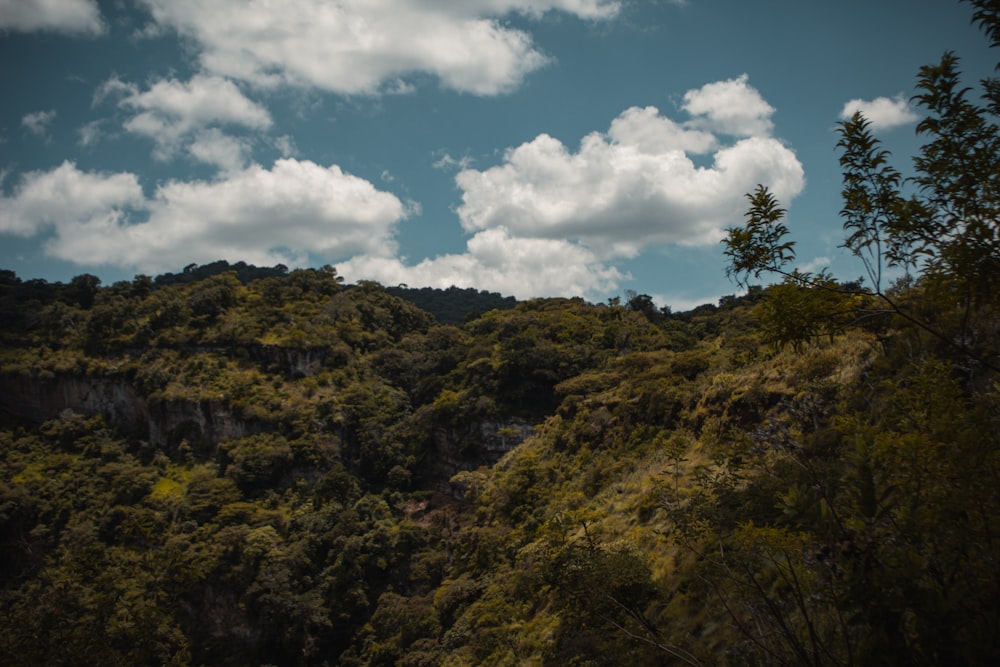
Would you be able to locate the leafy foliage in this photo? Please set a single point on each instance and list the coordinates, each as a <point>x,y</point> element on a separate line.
<point>947,232</point>
<point>453,305</point>
<point>867,559</point>
<point>760,246</point>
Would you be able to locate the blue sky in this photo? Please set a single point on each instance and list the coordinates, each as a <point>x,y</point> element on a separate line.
<point>530,147</point>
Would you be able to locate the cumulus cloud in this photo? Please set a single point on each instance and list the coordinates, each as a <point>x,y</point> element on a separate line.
<point>66,16</point>
<point>884,113</point>
<point>64,195</point>
<point>636,186</point>
<point>172,112</point>
<point>37,122</point>
<point>364,47</point>
<point>259,215</point>
<point>651,133</point>
<point>496,261</point>
<point>214,147</point>
<point>731,107</point>
<point>549,220</point>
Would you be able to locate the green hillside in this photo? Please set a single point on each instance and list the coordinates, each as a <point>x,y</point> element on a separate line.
<point>243,466</point>
<point>291,472</point>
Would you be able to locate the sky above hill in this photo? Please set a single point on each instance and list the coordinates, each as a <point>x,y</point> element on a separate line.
<point>529,147</point>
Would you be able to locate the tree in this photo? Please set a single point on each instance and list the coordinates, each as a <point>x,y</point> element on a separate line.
<point>642,303</point>
<point>946,232</point>
<point>887,508</point>
<point>83,288</point>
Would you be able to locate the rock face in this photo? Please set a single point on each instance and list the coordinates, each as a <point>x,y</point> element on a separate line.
<point>204,424</point>
<point>43,398</point>
<point>480,444</point>
<point>294,362</point>
<point>162,424</point>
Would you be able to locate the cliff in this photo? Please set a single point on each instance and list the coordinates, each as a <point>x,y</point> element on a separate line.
<point>203,424</point>
<point>483,444</point>
<point>162,424</point>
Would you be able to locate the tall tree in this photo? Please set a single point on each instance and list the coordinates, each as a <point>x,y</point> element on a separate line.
<point>946,233</point>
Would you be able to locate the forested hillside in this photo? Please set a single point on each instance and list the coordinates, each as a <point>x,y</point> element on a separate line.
<point>220,473</point>
<point>263,466</point>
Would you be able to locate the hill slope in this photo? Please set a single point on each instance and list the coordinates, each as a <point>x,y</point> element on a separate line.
<point>288,471</point>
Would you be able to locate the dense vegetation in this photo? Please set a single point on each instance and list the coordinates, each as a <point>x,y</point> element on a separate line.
<point>453,305</point>
<point>270,467</point>
<point>449,306</point>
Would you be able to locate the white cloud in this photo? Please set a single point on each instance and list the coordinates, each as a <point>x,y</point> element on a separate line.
<point>446,161</point>
<point>884,113</point>
<point>200,101</point>
<point>286,146</point>
<point>730,107</point>
<point>214,147</point>
<point>651,133</point>
<point>172,112</point>
<point>815,264</point>
<point>257,215</point>
<point>113,87</point>
<point>90,133</point>
<point>550,221</point>
<point>37,122</point>
<point>587,9</point>
<point>366,47</point>
<point>66,195</point>
<point>67,16</point>
<point>496,261</point>
<point>635,186</point>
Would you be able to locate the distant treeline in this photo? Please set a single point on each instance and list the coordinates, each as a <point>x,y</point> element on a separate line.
<point>455,304</point>
<point>245,273</point>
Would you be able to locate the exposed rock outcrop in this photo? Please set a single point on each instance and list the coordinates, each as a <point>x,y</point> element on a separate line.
<point>482,444</point>
<point>203,424</point>
<point>162,424</point>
